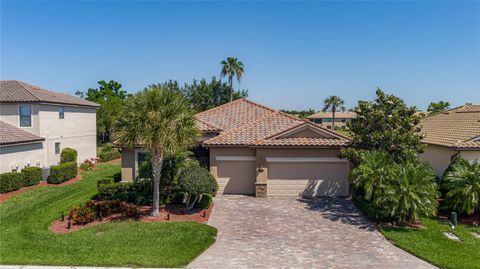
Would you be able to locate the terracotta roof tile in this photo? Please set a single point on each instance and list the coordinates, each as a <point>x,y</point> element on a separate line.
<point>246,123</point>
<point>18,91</point>
<point>452,128</point>
<point>10,135</point>
<point>304,141</point>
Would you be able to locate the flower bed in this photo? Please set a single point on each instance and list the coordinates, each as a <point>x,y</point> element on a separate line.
<point>172,213</point>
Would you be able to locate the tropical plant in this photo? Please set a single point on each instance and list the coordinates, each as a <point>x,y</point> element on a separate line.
<point>195,181</point>
<point>160,120</point>
<point>438,107</point>
<point>462,185</point>
<point>231,68</point>
<point>385,124</point>
<point>391,191</point>
<point>333,103</point>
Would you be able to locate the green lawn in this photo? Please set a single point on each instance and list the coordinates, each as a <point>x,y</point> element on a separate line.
<point>431,245</point>
<point>25,238</point>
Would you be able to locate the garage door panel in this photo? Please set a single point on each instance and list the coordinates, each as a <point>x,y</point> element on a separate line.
<point>236,177</point>
<point>308,179</point>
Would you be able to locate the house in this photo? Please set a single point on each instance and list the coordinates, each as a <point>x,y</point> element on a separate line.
<point>252,149</point>
<point>449,134</point>
<point>36,124</point>
<point>325,118</point>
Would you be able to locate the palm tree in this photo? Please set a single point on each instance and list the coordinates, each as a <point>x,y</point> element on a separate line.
<point>158,119</point>
<point>462,182</point>
<point>230,68</point>
<point>333,102</point>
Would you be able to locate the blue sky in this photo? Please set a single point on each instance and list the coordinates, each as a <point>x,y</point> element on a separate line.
<point>295,53</point>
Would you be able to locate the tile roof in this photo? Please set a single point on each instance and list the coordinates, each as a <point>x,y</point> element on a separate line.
<point>245,123</point>
<point>304,141</point>
<point>10,135</point>
<point>456,128</point>
<point>18,91</point>
<point>338,115</point>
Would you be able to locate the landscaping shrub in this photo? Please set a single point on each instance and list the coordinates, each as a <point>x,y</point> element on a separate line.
<point>62,172</point>
<point>108,153</point>
<point>87,165</point>
<point>68,155</point>
<point>10,181</point>
<point>31,175</point>
<point>138,192</point>
<point>83,213</point>
<point>205,202</point>
<point>104,181</point>
<point>462,186</point>
<point>386,190</point>
<point>195,181</point>
<point>88,212</point>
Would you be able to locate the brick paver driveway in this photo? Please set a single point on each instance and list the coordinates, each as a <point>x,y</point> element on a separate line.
<point>286,232</point>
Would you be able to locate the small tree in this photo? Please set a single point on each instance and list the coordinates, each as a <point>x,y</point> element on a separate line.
<point>159,119</point>
<point>438,107</point>
<point>462,184</point>
<point>333,103</point>
<point>385,124</point>
<point>195,181</point>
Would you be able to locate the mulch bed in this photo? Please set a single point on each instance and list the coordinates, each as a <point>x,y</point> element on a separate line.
<point>467,220</point>
<point>172,213</point>
<point>5,196</point>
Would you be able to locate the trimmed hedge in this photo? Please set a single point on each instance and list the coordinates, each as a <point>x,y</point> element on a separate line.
<point>106,156</point>
<point>133,192</point>
<point>205,202</point>
<point>68,155</point>
<point>62,172</point>
<point>11,181</point>
<point>104,181</point>
<point>31,175</point>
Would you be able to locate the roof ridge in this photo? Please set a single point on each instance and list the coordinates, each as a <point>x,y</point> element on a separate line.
<point>208,124</point>
<point>22,84</point>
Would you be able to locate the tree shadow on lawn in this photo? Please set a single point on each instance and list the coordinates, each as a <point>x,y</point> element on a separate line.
<point>338,209</point>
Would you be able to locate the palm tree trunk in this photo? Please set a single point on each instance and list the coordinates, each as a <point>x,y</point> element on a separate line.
<point>157,162</point>
<point>230,81</point>
<point>333,118</point>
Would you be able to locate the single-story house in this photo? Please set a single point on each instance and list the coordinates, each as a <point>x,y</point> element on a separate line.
<point>455,132</point>
<point>256,150</point>
<point>325,118</point>
<point>36,124</point>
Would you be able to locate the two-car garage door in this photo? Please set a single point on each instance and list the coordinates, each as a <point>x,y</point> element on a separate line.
<point>307,177</point>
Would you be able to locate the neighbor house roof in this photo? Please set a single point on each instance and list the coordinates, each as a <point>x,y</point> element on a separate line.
<point>14,91</point>
<point>10,135</point>
<point>458,128</point>
<point>338,115</point>
<point>245,123</point>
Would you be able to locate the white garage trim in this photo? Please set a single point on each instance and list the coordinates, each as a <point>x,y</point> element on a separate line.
<point>304,160</point>
<point>235,158</point>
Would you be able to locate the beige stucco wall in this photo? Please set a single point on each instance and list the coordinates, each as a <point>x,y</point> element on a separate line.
<point>76,130</point>
<point>440,157</point>
<point>21,155</point>
<point>128,164</point>
<point>9,113</point>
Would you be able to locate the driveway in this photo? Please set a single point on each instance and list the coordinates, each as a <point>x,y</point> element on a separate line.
<point>286,232</point>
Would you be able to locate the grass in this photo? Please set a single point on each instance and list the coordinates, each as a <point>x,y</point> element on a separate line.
<point>431,244</point>
<point>26,239</point>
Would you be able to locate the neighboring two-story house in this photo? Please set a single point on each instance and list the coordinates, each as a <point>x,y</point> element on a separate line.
<point>325,118</point>
<point>36,124</point>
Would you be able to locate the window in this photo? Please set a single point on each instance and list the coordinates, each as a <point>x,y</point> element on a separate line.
<point>318,121</point>
<point>57,148</point>
<point>25,116</point>
<point>61,112</point>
